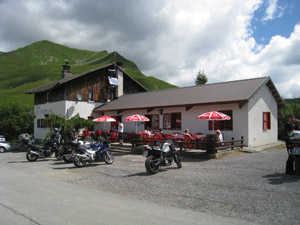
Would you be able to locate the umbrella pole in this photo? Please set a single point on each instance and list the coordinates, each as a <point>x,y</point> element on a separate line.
<point>135,127</point>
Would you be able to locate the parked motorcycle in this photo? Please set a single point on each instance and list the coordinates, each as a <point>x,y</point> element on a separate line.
<point>96,153</point>
<point>66,151</point>
<point>163,155</point>
<point>34,151</point>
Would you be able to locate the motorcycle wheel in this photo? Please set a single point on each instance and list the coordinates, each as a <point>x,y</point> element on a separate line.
<point>177,160</point>
<point>108,158</point>
<point>31,157</point>
<point>150,167</point>
<point>78,162</point>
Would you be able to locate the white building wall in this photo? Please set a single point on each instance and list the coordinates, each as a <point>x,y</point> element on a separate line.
<point>240,120</point>
<point>262,101</point>
<point>63,108</point>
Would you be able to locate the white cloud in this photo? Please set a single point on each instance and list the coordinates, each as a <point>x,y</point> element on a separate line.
<point>171,40</point>
<point>274,10</point>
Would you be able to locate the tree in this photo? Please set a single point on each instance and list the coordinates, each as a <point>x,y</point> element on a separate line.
<point>16,118</point>
<point>66,126</point>
<point>200,78</point>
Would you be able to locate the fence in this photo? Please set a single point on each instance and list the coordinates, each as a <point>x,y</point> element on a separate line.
<point>211,146</point>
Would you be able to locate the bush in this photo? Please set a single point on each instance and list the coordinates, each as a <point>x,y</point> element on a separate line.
<point>16,118</point>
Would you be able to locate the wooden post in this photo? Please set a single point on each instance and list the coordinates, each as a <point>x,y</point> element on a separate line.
<point>232,143</point>
<point>242,142</point>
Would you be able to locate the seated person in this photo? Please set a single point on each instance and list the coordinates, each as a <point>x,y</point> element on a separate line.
<point>148,131</point>
<point>187,132</point>
<point>220,136</point>
<point>160,131</point>
<point>106,134</point>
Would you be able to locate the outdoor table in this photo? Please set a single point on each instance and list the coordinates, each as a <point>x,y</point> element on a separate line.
<point>200,137</point>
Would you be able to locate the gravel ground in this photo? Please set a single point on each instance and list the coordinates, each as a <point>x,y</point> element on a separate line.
<point>252,187</point>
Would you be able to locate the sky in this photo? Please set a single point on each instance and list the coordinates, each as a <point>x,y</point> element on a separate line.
<point>170,39</point>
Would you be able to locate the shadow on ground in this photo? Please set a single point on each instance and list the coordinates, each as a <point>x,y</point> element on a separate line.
<point>281,178</point>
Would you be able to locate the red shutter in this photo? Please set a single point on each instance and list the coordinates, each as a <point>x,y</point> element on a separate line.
<point>266,120</point>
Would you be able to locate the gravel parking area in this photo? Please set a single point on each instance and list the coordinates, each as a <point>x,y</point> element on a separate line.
<point>252,187</point>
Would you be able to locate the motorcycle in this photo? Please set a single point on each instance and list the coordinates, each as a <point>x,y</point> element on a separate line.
<point>95,153</point>
<point>66,151</point>
<point>34,152</point>
<point>163,155</point>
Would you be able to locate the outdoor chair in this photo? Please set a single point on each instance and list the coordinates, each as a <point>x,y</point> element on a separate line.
<point>199,133</point>
<point>146,137</point>
<point>187,138</point>
<point>169,136</point>
<point>114,136</point>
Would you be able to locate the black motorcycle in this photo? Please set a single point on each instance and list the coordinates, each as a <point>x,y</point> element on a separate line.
<point>34,151</point>
<point>163,155</point>
<point>66,151</point>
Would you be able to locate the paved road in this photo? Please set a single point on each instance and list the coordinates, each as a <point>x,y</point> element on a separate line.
<point>240,189</point>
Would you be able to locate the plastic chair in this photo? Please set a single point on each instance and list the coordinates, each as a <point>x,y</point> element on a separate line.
<point>199,133</point>
<point>169,136</point>
<point>114,136</point>
<point>146,137</point>
<point>187,138</point>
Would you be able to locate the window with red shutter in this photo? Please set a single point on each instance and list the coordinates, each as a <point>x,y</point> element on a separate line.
<point>266,120</point>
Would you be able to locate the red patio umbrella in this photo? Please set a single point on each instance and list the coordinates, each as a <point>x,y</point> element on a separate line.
<point>213,115</point>
<point>105,119</point>
<point>136,117</point>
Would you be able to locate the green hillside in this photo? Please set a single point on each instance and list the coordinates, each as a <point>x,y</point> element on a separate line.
<point>42,61</point>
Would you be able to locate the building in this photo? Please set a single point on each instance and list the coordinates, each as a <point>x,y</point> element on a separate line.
<point>253,105</point>
<point>80,94</point>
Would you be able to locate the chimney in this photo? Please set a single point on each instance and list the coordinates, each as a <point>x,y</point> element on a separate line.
<point>66,70</point>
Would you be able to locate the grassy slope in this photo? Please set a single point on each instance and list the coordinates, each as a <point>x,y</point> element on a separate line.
<point>40,62</point>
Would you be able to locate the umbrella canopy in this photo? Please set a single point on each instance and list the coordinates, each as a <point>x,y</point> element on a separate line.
<point>136,117</point>
<point>213,115</point>
<point>104,119</point>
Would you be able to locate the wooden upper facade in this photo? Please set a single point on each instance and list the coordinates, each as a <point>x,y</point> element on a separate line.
<point>90,86</point>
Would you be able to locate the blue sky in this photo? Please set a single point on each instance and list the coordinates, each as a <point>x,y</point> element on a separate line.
<point>282,23</point>
<point>171,40</point>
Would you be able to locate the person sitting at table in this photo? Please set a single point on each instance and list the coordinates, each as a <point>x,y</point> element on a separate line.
<point>220,136</point>
<point>187,132</point>
<point>148,131</point>
<point>106,134</point>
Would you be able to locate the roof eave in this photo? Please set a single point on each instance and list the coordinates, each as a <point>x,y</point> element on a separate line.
<point>98,109</point>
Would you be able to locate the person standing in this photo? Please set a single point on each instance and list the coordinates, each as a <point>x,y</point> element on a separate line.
<point>120,131</point>
<point>289,127</point>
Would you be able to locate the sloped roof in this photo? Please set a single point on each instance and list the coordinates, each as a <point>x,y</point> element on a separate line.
<point>217,93</point>
<point>51,85</point>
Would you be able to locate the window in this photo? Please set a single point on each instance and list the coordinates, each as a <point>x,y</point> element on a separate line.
<point>42,123</point>
<point>91,95</point>
<point>172,121</point>
<point>266,120</point>
<point>153,123</point>
<point>222,124</point>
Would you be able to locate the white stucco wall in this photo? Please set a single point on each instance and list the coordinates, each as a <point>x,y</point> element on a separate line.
<point>64,108</point>
<point>262,101</point>
<point>240,120</point>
